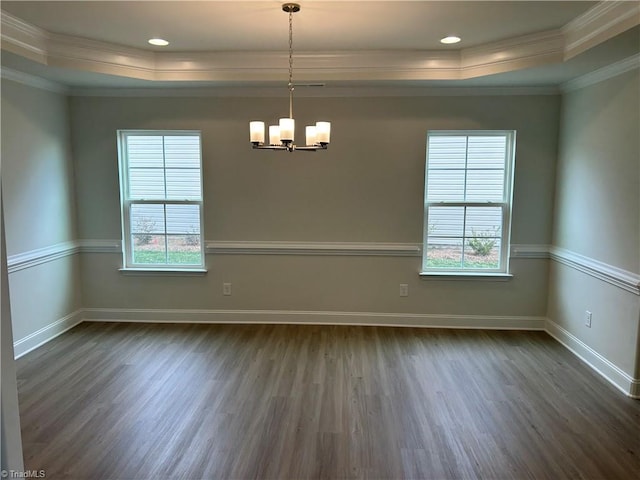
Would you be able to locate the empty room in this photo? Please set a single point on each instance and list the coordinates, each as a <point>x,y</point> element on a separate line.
<point>320,240</point>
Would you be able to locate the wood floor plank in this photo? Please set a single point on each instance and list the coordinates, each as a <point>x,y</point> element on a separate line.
<point>120,401</point>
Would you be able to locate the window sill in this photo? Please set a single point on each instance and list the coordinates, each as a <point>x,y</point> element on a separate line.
<point>495,277</point>
<point>170,272</point>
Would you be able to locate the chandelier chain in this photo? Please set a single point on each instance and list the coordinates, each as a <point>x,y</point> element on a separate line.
<point>291,63</point>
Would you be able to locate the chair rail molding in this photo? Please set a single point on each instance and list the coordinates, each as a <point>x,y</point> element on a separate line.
<point>619,277</point>
<point>217,247</point>
<point>100,246</point>
<point>32,258</point>
<point>519,250</point>
<point>314,248</point>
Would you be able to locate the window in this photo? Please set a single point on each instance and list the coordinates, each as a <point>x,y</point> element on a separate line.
<point>161,199</point>
<point>467,208</point>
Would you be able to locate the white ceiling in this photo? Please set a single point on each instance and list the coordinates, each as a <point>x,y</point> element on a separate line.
<point>319,26</point>
<point>102,44</point>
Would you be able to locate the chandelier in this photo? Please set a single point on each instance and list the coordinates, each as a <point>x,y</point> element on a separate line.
<point>281,136</point>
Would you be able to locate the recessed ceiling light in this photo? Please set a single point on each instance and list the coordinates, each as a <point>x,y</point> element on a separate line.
<point>450,39</point>
<point>158,42</point>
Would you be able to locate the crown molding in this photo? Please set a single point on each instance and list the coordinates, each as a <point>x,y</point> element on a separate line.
<point>602,74</point>
<point>310,66</point>
<point>32,81</point>
<point>23,39</point>
<point>513,54</point>
<point>324,92</point>
<point>598,24</point>
<point>246,67</point>
<point>100,57</point>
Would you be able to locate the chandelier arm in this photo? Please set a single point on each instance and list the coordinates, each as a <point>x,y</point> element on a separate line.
<point>259,146</point>
<point>290,147</point>
<point>312,148</point>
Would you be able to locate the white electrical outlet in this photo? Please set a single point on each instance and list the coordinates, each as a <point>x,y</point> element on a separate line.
<point>226,289</point>
<point>587,318</point>
<point>404,290</point>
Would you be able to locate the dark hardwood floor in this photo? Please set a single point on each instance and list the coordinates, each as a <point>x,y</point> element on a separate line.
<point>157,401</point>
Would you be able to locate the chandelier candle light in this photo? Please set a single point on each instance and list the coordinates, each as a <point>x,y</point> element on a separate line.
<point>281,136</point>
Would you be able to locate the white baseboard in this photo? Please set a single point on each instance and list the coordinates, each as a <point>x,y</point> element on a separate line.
<point>46,334</point>
<point>635,388</point>
<point>316,318</point>
<point>610,372</point>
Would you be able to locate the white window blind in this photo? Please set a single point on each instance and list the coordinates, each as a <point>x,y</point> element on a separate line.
<point>468,201</point>
<point>161,190</point>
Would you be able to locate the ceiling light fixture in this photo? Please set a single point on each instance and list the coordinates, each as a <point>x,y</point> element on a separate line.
<point>281,135</point>
<point>159,42</point>
<point>450,39</point>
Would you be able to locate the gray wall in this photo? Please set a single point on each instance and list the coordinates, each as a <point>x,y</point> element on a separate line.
<point>597,216</point>
<point>39,204</point>
<point>11,437</point>
<point>368,187</point>
<point>36,168</point>
<point>597,195</point>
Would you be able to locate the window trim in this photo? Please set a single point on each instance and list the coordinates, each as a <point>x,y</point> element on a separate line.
<point>502,273</point>
<point>126,203</point>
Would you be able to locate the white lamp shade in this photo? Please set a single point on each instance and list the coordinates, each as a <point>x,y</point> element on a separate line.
<point>311,135</point>
<point>274,134</point>
<point>287,127</point>
<point>323,132</point>
<point>256,132</point>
